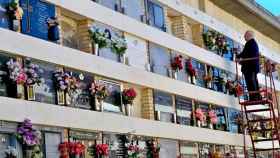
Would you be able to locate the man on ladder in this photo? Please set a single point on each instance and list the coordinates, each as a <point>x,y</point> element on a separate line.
<point>249,60</point>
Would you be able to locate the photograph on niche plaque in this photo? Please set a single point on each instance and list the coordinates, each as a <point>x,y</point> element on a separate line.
<point>164,106</point>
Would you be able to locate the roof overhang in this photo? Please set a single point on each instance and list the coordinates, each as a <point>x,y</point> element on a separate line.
<point>254,15</point>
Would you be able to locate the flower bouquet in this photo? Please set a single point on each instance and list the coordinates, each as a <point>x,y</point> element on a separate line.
<point>200,116</point>
<point>33,76</point>
<point>215,41</point>
<point>238,90</point>
<point>177,65</point>
<point>119,45</point>
<point>15,13</point>
<point>67,86</point>
<point>153,149</point>
<point>77,149</point>
<point>64,149</point>
<point>212,118</point>
<point>133,151</point>
<point>17,77</point>
<point>208,78</point>
<point>191,71</point>
<point>99,38</point>
<point>128,96</point>
<point>30,139</point>
<point>100,92</point>
<point>100,150</point>
<point>11,152</point>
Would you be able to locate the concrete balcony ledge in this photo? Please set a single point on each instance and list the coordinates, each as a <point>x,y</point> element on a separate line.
<point>51,115</point>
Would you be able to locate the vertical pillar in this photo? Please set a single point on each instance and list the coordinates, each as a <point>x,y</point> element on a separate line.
<point>147,104</point>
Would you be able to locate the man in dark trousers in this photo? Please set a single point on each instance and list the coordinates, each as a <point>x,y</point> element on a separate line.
<point>249,60</point>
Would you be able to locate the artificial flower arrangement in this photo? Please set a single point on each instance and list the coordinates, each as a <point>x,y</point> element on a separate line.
<point>14,10</point>
<point>119,45</point>
<point>133,150</point>
<point>30,138</point>
<point>238,90</point>
<point>67,86</point>
<point>215,41</point>
<point>212,117</point>
<point>191,71</point>
<point>99,91</point>
<point>16,72</point>
<point>33,76</point>
<point>11,152</point>
<point>128,96</point>
<point>153,149</point>
<point>101,38</point>
<point>71,149</point>
<point>99,150</point>
<point>177,63</point>
<point>200,115</point>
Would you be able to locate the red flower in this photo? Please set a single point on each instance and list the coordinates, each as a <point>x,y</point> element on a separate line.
<point>129,95</point>
<point>239,90</point>
<point>63,148</point>
<point>102,149</point>
<point>177,63</point>
<point>190,68</point>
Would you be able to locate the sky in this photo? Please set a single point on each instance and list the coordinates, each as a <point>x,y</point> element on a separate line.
<point>272,5</point>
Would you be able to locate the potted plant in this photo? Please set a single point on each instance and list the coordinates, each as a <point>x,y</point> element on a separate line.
<point>191,72</point>
<point>17,77</point>
<point>119,46</point>
<point>212,118</point>
<point>29,137</point>
<point>11,152</point>
<point>200,117</point>
<point>33,76</point>
<point>99,92</point>
<point>176,65</point>
<point>99,38</point>
<point>128,96</point>
<point>15,14</point>
<point>67,87</point>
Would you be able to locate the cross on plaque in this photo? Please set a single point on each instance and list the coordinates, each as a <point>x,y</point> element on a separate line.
<point>29,9</point>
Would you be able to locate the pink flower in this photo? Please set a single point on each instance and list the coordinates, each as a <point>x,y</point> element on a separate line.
<point>213,117</point>
<point>199,114</point>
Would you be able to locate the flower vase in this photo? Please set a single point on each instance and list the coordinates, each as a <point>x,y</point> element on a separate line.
<point>175,75</point>
<point>28,153</point>
<point>158,115</point>
<point>199,123</point>
<point>123,59</point>
<point>128,109</point>
<point>193,80</point>
<point>68,98</point>
<point>60,97</point>
<point>30,92</point>
<point>210,125</point>
<point>20,91</point>
<point>208,85</point>
<point>99,105</point>
<point>96,49</point>
<point>16,25</point>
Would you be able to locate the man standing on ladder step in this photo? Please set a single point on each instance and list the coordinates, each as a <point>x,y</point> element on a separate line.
<point>249,60</point>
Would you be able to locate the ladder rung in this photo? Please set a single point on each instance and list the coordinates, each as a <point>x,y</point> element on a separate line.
<point>261,120</point>
<point>257,102</point>
<point>268,149</point>
<point>262,130</point>
<point>258,110</point>
<point>264,140</point>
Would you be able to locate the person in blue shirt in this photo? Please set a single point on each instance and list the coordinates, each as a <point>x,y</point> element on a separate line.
<point>249,60</point>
